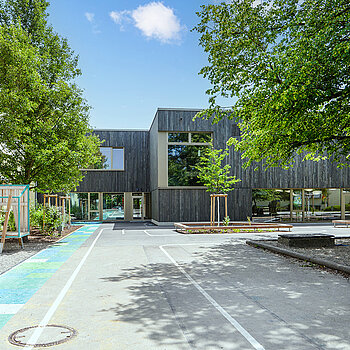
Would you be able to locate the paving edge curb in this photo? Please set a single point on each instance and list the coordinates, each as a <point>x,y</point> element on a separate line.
<point>322,262</point>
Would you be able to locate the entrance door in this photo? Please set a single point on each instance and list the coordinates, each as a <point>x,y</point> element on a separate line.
<point>94,211</point>
<point>137,208</point>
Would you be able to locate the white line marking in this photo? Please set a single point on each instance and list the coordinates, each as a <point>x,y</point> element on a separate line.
<point>148,234</point>
<point>44,322</point>
<point>123,232</point>
<point>9,309</point>
<point>217,306</point>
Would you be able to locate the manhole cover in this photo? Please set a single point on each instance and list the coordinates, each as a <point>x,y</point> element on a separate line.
<point>52,334</point>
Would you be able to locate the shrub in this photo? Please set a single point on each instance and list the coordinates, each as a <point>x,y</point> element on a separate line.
<point>332,207</point>
<point>53,218</point>
<point>11,225</point>
<point>226,221</point>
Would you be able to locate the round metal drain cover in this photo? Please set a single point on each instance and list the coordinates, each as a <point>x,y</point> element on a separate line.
<point>52,334</point>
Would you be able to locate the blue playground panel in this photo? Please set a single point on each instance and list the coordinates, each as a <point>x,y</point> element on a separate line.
<point>19,284</point>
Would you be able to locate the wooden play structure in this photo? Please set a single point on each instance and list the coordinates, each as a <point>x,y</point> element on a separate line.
<point>59,201</point>
<point>216,197</point>
<point>65,204</point>
<point>15,198</point>
<point>47,202</point>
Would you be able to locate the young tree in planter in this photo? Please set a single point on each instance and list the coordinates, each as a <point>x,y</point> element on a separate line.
<point>214,174</point>
<point>45,137</point>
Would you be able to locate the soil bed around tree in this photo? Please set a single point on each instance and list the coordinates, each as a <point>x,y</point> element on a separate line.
<point>232,227</point>
<point>339,254</point>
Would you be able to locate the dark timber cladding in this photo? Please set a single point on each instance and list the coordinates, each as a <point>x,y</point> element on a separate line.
<point>135,177</point>
<point>143,152</point>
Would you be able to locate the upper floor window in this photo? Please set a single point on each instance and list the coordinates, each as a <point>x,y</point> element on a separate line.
<point>189,137</point>
<point>184,152</point>
<point>112,158</point>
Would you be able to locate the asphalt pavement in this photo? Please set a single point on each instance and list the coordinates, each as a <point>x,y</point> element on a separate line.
<point>153,288</point>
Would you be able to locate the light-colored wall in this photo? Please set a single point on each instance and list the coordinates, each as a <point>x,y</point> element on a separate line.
<point>162,159</point>
<point>128,210</point>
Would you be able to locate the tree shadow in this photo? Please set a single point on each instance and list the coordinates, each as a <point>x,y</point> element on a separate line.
<point>281,304</point>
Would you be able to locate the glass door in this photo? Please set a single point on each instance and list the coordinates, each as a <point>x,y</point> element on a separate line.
<point>137,208</point>
<point>113,206</point>
<point>94,210</point>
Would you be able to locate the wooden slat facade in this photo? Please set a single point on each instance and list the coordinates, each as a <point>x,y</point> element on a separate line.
<point>170,204</point>
<point>135,177</point>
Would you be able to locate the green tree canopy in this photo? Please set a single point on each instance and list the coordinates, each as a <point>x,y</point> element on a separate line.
<point>45,137</point>
<point>213,173</point>
<point>285,64</point>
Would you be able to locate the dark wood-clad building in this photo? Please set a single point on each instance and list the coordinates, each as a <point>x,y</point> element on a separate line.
<point>148,174</point>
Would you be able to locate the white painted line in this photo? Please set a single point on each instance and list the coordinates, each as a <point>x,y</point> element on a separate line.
<point>217,306</point>
<point>44,322</point>
<point>123,232</point>
<point>148,234</point>
<point>35,261</point>
<point>8,309</point>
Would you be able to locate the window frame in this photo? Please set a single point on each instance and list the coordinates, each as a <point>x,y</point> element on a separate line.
<point>189,143</point>
<point>111,158</point>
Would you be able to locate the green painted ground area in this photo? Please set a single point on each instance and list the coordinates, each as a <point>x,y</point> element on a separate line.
<point>18,285</point>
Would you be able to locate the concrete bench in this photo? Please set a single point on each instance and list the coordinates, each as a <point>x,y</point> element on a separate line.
<point>319,240</point>
<point>341,222</point>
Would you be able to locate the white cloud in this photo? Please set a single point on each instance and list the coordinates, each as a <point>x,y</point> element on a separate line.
<point>90,16</point>
<point>154,20</point>
<point>157,21</point>
<point>119,17</point>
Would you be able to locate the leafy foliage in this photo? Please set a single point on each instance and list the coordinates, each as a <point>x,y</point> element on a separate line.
<point>268,195</point>
<point>45,137</point>
<point>213,174</point>
<point>53,218</point>
<point>182,161</point>
<point>286,64</point>
<point>226,221</point>
<point>11,225</point>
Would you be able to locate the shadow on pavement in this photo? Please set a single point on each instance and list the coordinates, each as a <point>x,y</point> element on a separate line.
<point>282,304</point>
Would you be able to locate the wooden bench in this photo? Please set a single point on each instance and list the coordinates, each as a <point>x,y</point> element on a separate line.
<point>341,222</point>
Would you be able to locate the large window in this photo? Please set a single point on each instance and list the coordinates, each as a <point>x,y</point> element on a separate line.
<point>80,206</point>
<point>112,158</point>
<point>184,152</point>
<point>113,206</point>
<point>309,204</point>
<point>85,206</point>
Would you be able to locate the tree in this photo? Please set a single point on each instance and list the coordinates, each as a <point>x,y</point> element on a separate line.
<point>287,65</point>
<point>272,196</point>
<point>214,175</point>
<point>45,137</point>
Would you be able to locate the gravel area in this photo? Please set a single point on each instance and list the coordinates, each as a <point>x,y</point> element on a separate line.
<point>340,254</point>
<point>13,254</point>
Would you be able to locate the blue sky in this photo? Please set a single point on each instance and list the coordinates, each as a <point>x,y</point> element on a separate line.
<point>135,56</point>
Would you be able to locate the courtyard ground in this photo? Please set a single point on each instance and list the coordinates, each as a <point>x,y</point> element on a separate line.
<point>135,287</point>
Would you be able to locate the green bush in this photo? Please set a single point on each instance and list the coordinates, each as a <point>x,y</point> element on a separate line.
<point>53,218</point>
<point>332,207</point>
<point>11,225</point>
<point>337,207</point>
<point>226,221</point>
